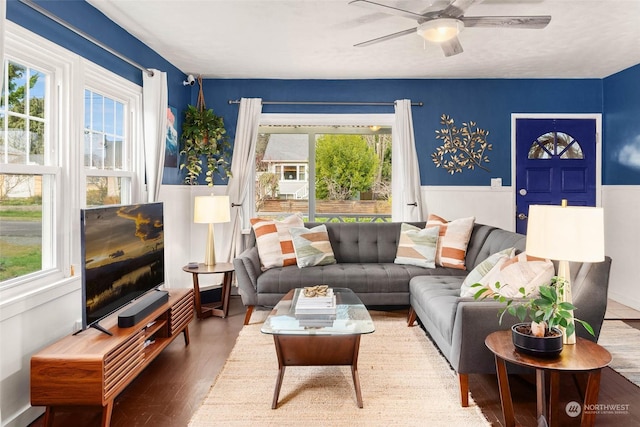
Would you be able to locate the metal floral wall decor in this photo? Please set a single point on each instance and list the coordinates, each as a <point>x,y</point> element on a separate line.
<point>462,148</point>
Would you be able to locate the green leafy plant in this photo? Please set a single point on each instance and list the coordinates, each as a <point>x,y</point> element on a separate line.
<point>204,136</point>
<point>546,308</point>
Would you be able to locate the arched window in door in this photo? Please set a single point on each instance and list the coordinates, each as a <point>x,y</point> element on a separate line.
<point>555,144</point>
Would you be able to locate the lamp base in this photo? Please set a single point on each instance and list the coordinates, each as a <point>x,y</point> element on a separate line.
<point>565,275</point>
<point>210,250</point>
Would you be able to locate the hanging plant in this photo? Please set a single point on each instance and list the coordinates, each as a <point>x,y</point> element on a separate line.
<point>204,137</point>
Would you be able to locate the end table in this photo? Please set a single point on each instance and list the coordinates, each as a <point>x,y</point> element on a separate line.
<point>583,356</point>
<point>218,308</point>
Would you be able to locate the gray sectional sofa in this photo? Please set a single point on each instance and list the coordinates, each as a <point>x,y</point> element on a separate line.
<point>365,254</point>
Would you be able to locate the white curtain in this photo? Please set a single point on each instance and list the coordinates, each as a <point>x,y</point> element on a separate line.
<point>405,176</point>
<point>242,173</point>
<point>3,26</point>
<point>155,105</point>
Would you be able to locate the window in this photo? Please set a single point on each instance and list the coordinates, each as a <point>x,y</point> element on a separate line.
<point>67,128</point>
<point>28,182</point>
<point>555,144</point>
<point>106,151</point>
<point>329,173</point>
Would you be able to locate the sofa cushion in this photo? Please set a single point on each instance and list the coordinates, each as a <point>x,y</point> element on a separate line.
<point>481,270</point>
<point>312,246</point>
<point>417,246</point>
<point>274,242</point>
<point>453,241</point>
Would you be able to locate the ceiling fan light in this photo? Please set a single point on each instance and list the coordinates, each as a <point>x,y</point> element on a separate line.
<point>440,30</point>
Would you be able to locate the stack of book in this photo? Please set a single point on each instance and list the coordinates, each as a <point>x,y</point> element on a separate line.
<point>316,311</point>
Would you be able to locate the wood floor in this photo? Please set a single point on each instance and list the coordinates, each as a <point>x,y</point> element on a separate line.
<point>169,391</point>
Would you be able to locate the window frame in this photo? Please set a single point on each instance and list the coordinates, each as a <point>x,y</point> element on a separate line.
<point>315,121</point>
<point>71,74</point>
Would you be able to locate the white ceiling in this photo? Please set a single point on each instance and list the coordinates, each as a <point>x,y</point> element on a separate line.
<point>313,39</point>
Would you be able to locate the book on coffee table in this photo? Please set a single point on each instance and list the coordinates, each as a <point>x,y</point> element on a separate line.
<point>318,305</point>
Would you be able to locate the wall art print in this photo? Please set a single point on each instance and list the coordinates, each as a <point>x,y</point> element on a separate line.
<point>171,145</point>
<point>462,148</point>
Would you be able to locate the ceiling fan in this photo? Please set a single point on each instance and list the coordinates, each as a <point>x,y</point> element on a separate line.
<point>443,26</point>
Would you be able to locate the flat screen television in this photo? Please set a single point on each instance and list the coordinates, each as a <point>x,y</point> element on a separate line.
<point>122,256</point>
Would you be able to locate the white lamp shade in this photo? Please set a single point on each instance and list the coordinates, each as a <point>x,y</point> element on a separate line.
<point>570,233</point>
<point>440,30</point>
<point>211,209</point>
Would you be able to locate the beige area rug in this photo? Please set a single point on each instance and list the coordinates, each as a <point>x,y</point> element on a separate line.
<point>623,342</point>
<point>404,381</point>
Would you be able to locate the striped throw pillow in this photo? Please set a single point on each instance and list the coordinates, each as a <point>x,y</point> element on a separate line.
<point>417,246</point>
<point>274,241</point>
<point>520,271</point>
<point>453,241</point>
<point>479,274</point>
<point>312,246</point>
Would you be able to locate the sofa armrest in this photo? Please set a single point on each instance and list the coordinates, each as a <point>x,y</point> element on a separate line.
<point>474,321</point>
<point>247,268</point>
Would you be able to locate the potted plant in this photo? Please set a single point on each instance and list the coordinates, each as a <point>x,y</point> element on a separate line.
<point>549,316</point>
<point>204,136</point>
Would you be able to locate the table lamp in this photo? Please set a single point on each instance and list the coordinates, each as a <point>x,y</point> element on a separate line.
<point>211,210</point>
<point>566,233</point>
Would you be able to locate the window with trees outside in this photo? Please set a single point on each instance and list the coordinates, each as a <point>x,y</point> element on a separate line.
<point>336,173</point>
<point>30,170</point>
<point>67,132</point>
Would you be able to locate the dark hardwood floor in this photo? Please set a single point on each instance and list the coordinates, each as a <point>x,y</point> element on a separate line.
<point>169,391</point>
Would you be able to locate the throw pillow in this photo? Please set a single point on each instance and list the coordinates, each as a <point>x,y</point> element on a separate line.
<point>417,246</point>
<point>312,246</point>
<point>478,274</point>
<point>274,242</point>
<point>453,240</point>
<point>520,271</point>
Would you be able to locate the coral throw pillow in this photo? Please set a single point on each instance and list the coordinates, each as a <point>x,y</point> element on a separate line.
<point>417,246</point>
<point>312,246</point>
<point>453,240</point>
<point>274,241</point>
<point>521,271</point>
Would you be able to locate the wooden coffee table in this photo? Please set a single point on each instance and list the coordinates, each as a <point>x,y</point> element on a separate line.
<point>336,343</point>
<point>583,356</point>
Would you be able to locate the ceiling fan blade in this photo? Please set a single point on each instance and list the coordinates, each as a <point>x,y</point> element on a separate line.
<point>451,47</point>
<point>387,37</point>
<point>387,9</point>
<point>457,8</point>
<point>534,22</point>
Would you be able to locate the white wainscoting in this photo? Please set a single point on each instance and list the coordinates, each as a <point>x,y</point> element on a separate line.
<point>489,205</point>
<point>621,205</point>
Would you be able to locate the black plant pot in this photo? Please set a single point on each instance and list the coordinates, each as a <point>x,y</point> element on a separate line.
<point>537,346</point>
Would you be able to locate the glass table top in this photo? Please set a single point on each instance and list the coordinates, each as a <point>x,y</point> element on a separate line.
<point>351,317</point>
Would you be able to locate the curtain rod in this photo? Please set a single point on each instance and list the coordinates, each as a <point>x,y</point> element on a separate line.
<point>84,35</point>
<point>414,104</point>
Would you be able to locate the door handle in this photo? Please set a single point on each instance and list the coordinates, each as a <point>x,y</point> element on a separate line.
<point>522,216</point>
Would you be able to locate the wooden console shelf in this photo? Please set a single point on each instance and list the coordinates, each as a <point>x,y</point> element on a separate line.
<point>92,368</point>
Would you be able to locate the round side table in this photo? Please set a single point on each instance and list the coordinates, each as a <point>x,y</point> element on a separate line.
<point>583,356</point>
<point>218,308</point>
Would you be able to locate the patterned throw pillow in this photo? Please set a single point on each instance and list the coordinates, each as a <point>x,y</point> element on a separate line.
<point>479,274</point>
<point>417,246</point>
<point>520,271</point>
<point>312,246</point>
<point>275,245</point>
<point>453,241</point>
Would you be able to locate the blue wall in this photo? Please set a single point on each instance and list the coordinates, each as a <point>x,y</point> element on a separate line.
<point>621,154</point>
<point>488,102</point>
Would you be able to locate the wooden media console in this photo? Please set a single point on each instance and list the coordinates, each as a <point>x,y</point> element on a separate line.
<point>92,368</point>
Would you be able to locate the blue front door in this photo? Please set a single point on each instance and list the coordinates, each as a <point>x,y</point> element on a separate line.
<point>555,160</point>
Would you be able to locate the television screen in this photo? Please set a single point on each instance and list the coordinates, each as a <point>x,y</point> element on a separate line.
<point>122,254</point>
